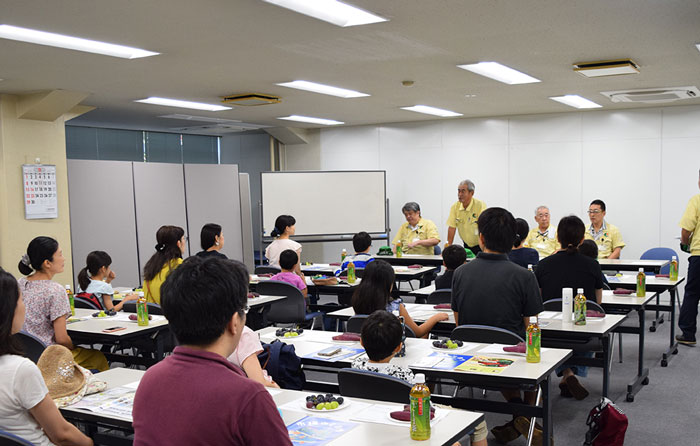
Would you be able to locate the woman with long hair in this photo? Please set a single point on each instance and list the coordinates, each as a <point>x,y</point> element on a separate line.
<point>168,256</point>
<point>96,279</point>
<point>284,228</point>
<point>26,409</point>
<point>47,304</point>
<point>374,293</point>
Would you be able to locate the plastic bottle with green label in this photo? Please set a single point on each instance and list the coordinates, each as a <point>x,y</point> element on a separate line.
<point>673,270</point>
<point>533,336</point>
<point>399,252</point>
<point>580,308</point>
<point>71,300</point>
<point>351,273</point>
<point>420,409</point>
<point>641,283</point>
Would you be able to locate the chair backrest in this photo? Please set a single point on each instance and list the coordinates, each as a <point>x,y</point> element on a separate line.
<point>485,334</point>
<point>8,439</point>
<point>437,250</point>
<point>31,345</point>
<point>153,308</point>
<point>660,254</point>
<point>373,385</point>
<point>359,272</point>
<point>289,310</point>
<point>354,324</point>
<point>84,303</point>
<point>267,269</point>
<point>555,305</point>
<point>443,296</point>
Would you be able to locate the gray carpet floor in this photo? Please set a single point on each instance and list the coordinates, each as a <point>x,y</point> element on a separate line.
<point>664,412</point>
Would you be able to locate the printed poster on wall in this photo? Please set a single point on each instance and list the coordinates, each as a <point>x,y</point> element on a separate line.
<point>40,200</point>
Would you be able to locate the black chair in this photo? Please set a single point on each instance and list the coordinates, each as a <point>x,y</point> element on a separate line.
<point>555,305</point>
<point>485,334</point>
<point>373,385</point>
<point>153,308</point>
<point>359,272</point>
<point>443,296</point>
<point>289,310</point>
<point>8,439</point>
<point>84,303</point>
<point>267,269</point>
<point>31,345</point>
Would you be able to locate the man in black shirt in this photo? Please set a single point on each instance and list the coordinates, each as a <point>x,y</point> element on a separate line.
<point>492,290</point>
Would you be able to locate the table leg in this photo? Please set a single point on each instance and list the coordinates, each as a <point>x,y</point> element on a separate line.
<point>658,320</point>
<point>673,345</point>
<point>642,373</point>
<point>547,422</point>
<point>606,364</point>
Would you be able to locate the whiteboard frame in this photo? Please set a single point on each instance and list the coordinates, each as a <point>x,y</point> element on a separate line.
<point>267,238</point>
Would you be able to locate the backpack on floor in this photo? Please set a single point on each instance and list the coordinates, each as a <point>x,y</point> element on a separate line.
<point>607,425</point>
<point>282,364</point>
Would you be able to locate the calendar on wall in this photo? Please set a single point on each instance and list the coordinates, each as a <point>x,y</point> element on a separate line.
<point>40,198</point>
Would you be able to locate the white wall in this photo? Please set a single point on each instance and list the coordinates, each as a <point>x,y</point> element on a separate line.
<point>643,163</point>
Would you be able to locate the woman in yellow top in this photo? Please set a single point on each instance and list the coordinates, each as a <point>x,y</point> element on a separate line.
<point>168,256</point>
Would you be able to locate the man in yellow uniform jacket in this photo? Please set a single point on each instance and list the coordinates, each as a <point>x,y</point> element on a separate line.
<point>690,242</point>
<point>605,235</point>
<point>464,215</point>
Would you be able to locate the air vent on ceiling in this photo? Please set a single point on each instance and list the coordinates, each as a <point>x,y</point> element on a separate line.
<point>251,99</point>
<point>606,68</point>
<point>653,95</point>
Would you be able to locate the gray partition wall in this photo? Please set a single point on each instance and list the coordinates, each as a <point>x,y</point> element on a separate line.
<point>159,194</point>
<point>247,221</point>
<point>212,196</point>
<point>102,216</point>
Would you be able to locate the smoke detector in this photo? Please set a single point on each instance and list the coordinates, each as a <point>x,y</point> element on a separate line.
<point>653,95</point>
<point>251,99</point>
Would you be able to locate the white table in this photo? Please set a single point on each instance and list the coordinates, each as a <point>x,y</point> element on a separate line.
<point>520,374</point>
<point>454,425</point>
<point>90,330</point>
<point>652,266</point>
<point>263,300</point>
<point>413,259</point>
<point>402,272</point>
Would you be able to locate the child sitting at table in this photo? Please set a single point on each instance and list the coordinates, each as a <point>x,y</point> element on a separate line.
<point>374,293</point>
<point>291,273</point>
<point>453,257</point>
<point>361,242</point>
<point>96,279</point>
<point>381,338</point>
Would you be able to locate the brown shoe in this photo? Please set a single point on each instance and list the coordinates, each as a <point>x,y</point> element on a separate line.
<point>564,390</point>
<point>577,390</point>
<point>506,433</point>
<point>522,425</point>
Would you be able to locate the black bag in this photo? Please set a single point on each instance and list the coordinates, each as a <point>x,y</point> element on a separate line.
<point>282,364</point>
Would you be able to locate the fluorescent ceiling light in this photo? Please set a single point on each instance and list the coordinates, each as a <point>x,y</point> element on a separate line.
<point>71,43</point>
<point>499,72</point>
<point>183,104</point>
<point>697,46</point>
<point>574,100</point>
<point>331,11</point>
<point>431,111</point>
<point>311,120</point>
<point>323,89</point>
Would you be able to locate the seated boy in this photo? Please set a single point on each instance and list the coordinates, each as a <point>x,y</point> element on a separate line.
<point>453,257</point>
<point>361,242</point>
<point>288,263</point>
<point>196,396</point>
<point>381,338</point>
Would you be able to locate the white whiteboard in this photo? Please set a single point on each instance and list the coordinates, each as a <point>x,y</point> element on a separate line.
<point>326,203</point>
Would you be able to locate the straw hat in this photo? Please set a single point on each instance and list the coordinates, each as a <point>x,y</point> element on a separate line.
<point>62,375</point>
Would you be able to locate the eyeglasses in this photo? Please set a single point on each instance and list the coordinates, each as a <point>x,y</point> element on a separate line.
<point>595,211</point>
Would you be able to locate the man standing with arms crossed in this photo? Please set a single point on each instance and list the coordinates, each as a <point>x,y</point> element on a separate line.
<point>464,215</point>
<point>690,242</point>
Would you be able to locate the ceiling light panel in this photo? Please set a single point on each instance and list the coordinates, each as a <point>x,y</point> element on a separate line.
<point>332,11</point>
<point>501,73</point>
<point>183,104</point>
<point>71,43</point>
<point>606,68</point>
<point>425,109</point>
<point>311,120</point>
<point>576,101</point>
<point>323,89</point>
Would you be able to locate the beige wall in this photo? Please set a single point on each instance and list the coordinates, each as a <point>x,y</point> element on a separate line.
<point>21,142</point>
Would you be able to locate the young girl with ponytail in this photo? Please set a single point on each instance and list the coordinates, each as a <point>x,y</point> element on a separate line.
<point>46,301</point>
<point>96,279</point>
<point>168,256</point>
<point>284,228</point>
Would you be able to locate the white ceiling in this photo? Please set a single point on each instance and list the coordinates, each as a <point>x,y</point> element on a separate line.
<point>212,48</point>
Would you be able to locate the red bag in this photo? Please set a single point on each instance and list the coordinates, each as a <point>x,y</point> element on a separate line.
<point>607,425</point>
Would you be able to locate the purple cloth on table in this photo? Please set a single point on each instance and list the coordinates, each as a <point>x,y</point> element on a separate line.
<point>519,348</point>
<point>442,306</point>
<point>622,291</point>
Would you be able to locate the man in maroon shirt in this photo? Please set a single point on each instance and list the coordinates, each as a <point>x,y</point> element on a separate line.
<point>196,396</point>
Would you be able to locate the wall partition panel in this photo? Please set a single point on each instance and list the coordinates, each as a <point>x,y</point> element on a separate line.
<point>247,221</point>
<point>102,216</point>
<point>159,194</point>
<point>212,193</point>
